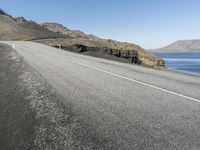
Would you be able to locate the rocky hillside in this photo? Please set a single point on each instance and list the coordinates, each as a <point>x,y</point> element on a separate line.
<point>58,28</point>
<point>182,46</point>
<point>95,46</point>
<point>2,12</point>
<point>57,35</point>
<point>20,29</point>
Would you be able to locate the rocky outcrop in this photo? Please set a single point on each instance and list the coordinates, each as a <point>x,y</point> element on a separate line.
<point>130,56</point>
<point>134,54</point>
<point>20,19</point>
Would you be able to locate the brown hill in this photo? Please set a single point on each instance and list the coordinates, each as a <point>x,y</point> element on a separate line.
<point>182,46</point>
<point>58,28</point>
<point>92,45</point>
<point>20,29</point>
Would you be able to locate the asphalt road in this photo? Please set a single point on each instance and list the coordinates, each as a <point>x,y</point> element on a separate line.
<point>121,106</point>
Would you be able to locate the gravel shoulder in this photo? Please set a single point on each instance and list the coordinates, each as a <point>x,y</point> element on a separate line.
<point>16,117</point>
<point>32,115</point>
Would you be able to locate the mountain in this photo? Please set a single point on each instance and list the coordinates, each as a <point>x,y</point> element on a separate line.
<point>89,44</point>
<point>58,28</point>
<point>20,29</point>
<point>56,35</point>
<point>182,46</point>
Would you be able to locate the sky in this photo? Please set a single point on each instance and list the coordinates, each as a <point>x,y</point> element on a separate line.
<point>149,23</point>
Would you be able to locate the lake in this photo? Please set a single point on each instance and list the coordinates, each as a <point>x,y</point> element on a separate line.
<point>184,61</point>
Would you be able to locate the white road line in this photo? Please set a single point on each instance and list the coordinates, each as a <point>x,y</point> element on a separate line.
<point>133,80</point>
<point>136,81</point>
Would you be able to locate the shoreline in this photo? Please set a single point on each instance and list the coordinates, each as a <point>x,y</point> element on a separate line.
<point>185,62</point>
<point>174,51</point>
<point>172,70</point>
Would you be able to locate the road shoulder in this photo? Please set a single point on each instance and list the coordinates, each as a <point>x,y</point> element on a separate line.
<point>32,114</point>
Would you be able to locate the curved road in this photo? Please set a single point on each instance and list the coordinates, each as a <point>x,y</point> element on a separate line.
<point>122,106</point>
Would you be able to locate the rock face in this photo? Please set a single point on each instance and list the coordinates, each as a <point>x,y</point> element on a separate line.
<point>182,46</point>
<point>92,45</point>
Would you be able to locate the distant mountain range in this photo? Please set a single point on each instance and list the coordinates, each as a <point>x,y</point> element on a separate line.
<point>182,46</point>
<point>56,35</point>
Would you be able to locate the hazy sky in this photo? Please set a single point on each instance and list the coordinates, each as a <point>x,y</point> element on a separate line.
<point>149,23</point>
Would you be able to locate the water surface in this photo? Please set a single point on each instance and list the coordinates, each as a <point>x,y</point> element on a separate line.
<point>184,61</point>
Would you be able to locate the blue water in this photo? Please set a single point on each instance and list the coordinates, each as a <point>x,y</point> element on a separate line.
<point>184,61</point>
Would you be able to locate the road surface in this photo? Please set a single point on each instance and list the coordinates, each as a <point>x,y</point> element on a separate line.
<point>121,106</point>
